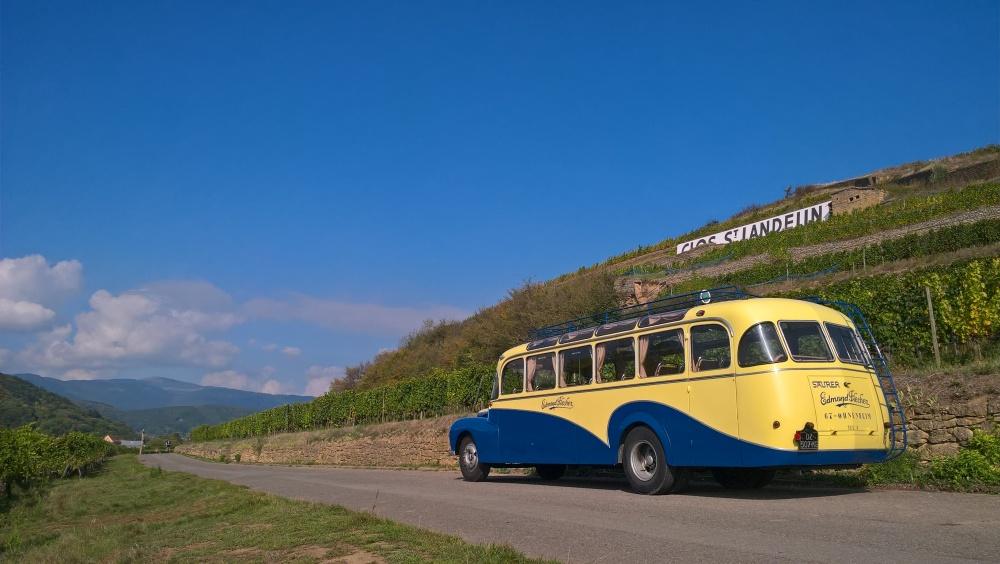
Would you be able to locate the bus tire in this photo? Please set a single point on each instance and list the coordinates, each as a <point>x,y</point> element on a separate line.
<point>468,461</point>
<point>743,478</point>
<point>550,472</point>
<point>645,463</point>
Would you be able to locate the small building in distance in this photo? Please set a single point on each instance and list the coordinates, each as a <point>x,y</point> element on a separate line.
<point>852,199</point>
<point>122,442</point>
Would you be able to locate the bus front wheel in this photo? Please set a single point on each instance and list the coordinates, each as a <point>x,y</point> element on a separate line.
<point>645,464</point>
<point>473,470</point>
<point>743,478</point>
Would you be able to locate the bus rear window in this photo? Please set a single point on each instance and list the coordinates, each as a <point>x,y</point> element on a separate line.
<point>541,372</point>
<point>806,341</point>
<point>845,341</point>
<point>761,345</point>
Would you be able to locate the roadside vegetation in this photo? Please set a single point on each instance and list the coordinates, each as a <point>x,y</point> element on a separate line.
<point>29,459</point>
<point>131,513</point>
<point>975,468</point>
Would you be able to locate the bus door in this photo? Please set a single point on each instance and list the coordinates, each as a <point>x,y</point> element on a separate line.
<point>712,394</point>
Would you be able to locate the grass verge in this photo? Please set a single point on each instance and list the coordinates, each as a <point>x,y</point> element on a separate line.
<point>975,468</point>
<point>131,513</point>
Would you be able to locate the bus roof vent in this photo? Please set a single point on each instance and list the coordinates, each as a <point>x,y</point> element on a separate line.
<point>678,303</point>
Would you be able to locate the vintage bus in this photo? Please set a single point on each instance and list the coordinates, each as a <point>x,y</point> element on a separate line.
<point>715,380</point>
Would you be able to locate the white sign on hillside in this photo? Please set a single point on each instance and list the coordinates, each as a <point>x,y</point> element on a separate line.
<point>792,219</point>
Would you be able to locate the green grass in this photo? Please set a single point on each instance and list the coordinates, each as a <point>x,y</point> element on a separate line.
<point>131,513</point>
<point>975,468</point>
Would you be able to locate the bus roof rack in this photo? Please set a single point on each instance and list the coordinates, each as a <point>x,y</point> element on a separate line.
<point>662,305</point>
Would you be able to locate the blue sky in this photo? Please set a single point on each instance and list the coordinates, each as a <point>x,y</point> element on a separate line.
<point>323,175</point>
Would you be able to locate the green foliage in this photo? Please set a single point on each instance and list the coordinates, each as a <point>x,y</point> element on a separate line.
<point>864,222</point>
<point>966,300</point>
<point>904,469</point>
<point>481,338</point>
<point>976,466</point>
<point>28,457</point>
<point>130,513</point>
<point>915,245</point>
<point>443,391</point>
<point>22,402</point>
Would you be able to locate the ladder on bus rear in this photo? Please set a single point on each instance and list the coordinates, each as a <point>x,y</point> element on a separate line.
<point>896,425</point>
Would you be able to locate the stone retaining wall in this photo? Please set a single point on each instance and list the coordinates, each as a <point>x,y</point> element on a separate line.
<point>939,431</point>
<point>933,431</point>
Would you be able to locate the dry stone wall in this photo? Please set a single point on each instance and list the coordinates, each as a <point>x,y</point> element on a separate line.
<point>933,431</point>
<point>940,430</point>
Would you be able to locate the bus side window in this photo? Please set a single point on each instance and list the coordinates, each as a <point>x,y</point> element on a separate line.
<point>615,360</point>
<point>576,367</point>
<point>710,348</point>
<point>512,379</point>
<point>661,353</point>
<point>541,372</point>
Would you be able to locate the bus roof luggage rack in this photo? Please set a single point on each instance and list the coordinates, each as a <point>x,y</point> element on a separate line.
<point>670,304</point>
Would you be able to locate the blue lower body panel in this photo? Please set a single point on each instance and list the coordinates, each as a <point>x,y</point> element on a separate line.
<point>509,436</point>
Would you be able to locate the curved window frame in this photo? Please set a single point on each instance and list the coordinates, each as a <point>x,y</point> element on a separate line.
<point>777,336</point>
<point>640,367</point>
<point>693,366</point>
<point>530,378</point>
<point>858,342</point>
<point>561,380</point>
<point>822,334</point>
<point>598,378</point>
<point>504,370</point>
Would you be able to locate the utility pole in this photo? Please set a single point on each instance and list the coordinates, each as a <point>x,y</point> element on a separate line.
<point>934,341</point>
<point>142,440</point>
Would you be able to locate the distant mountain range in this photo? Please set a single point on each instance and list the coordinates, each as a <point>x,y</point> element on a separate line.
<point>128,394</point>
<point>160,406</point>
<point>22,403</point>
<point>178,419</point>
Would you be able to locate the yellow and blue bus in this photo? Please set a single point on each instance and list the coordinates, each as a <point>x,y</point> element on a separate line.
<point>715,380</point>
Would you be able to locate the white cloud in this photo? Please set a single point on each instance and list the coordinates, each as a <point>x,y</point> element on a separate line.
<point>320,377</point>
<point>291,351</point>
<point>228,379</point>
<point>32,279</point>
<point>29,287</point>
<point>272,387</point>
<point>355,317</point>
<point>135,327</point>
<point>270,347</point>
<point>23,316</point>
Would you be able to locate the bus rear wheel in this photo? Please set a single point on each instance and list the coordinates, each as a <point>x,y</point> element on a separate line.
<point>645,464</point>
<point>743,478</point>
<point>549,472</point>
<point>473,470</point>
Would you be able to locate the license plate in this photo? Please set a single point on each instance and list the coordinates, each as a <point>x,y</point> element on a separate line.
<point>808,439</point>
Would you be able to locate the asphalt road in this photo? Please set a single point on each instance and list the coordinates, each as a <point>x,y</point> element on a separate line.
<point>597,520</point>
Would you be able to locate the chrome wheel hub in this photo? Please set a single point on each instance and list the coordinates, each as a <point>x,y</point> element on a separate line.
<point>470,456</point>
<point>643,460</point>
